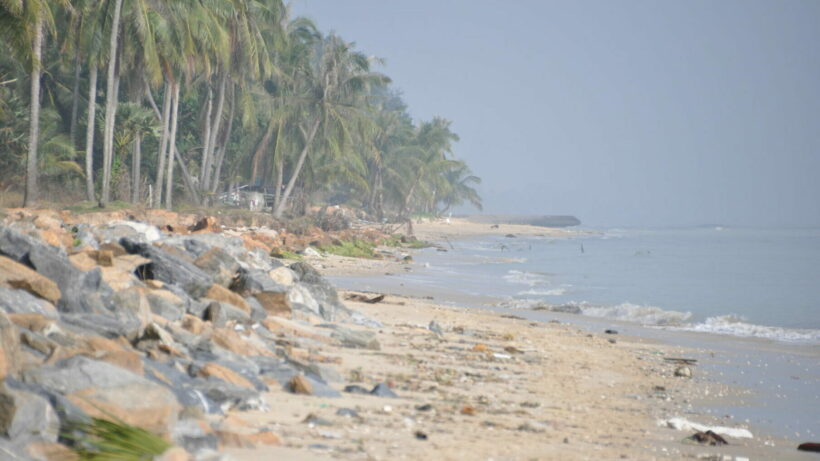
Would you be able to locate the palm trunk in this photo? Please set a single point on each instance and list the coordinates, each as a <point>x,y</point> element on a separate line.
<point>206,136</point>
<point>110,106</point>
<point>162,154</point>
<point>75,99</point>
<point>260,149</point>
<point>280,167</point>
<point>136,159</point>
<point>215,127</point>
<point>280,208</point>
<point>220,158</point>
<point>169,186</point>
<point>89,132</point>
<point>34,121</point>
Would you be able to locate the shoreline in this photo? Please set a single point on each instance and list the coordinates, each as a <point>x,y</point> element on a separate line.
<point>732,396</point>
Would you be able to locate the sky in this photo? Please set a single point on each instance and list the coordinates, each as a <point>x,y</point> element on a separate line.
<point>622,113</point>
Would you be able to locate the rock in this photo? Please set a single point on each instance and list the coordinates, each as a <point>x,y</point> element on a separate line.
<point>347,413</point>
<point>425,407</point>
<point>283,276</point>
<point>228,396</point>
<point>212,370</point>
<point>708,438</point>
<point>383,390</point>
<point>205,224</point>
<point>533,426</point>
<point>683,372</point>
<point>10,359</point>
<point>221,313</point>
<point>169,269</point>
<point>132,303</point>
<point>330,308</point>
<point>272,296</point>
<point>173,454</point>
<point>301,300</point>
<point>22,302</point>
<point>420,435</point>
<point>218,264</point>
<point>356,339</point>
<point>51,451</point>
<point>16,275</point>
<point>222,294</point>
<point>299,385</point>
<point>103,325</point>
<point>27,416</point>
<point>611,332</point>
<point>435,328</point>
<point>356,389</point>
<point>104,390</point>
<point>311,252</point>
<point>165,304</point>
<point>313,420</point>
<point>136,231</point>
<point>191,435</point>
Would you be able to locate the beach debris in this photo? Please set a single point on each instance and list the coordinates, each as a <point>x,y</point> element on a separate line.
<point>480,348</point>
<point>683,372</point>
<point>510,236</point>
<point>425,407</point>
<point>313,420</point>
<point>612,340</point>
<point>708,438</point>
<point>494,226</point>
<point>611,332</point>
<point>356,389</point>
<point>347,413</point>
<point>435,328</point>
<point>468,410</point>
<point>682,424</point>
<point>359,298</point>
<point>809,446</point>
<point>533,426</point>
<point>530,404</point>
<point>383,390</point>
<point>513,350</point>
<point>311,252</point>
<point>357,339</point>
<point>420,435</point>
<point>681,361</point>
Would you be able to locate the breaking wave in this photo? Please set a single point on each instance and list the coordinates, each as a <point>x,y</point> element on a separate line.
<point>544,292</point>
<point>737,326</point>
<point>531,279</point>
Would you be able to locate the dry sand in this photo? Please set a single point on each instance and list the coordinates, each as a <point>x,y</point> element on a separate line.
<point>499,388</point>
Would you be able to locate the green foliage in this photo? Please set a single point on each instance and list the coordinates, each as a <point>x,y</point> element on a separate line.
<point>352,248</point>
<point>400,241</point>
<point>104,440</point>
<point>287,254</point>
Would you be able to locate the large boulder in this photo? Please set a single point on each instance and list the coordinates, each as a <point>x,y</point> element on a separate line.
<point>330,307</point>
<point>10,359</point>
<point>272,296</point>
<point>25,416</point>
<point>16,275</point>
<point>217,263</point>
<point>104,390</point>
<point>22,302</point>
<point>169,268</point>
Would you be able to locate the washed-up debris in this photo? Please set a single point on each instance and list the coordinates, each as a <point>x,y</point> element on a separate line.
<point>708,438</point>
<point>435,328</point>
<point>513,350</point>
<point>313,420</point>
<point>383,390</point>
<point>356,389</point>
<point>809,446</point>
<point>364,299</point>
<point>681,361</point>
<point>421,435</point>
<point>347,412</point>
<point>469,411</point>
<point>425,407</point>
<point>682,424</point>
<point>683,372</point>
<point>611,332</point>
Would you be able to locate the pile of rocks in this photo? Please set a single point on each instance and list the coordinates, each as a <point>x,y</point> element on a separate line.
<point>122,320</point>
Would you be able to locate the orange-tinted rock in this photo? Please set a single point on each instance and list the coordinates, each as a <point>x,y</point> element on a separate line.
<point>220,293</point>
<point>206,224</point>
<point>153,408</point>
<point>233,439</point>
<point>276,304</point>
<point>128,360</point>
<point>300,385</point>
<point>33,322</point>
<point>51,451</point>
<point>265,438</point>
<point>193,324</point>
<point>10,360</point>
<point>230,340</point>
<point>212,370</point>
<point>173,454</point>
<point>480,348</point>
<point>16,275</point>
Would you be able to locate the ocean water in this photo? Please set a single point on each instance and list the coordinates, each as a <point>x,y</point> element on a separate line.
<point>736,281</point>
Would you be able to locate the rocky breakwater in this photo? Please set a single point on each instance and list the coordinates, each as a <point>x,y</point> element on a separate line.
<point>169,330</point>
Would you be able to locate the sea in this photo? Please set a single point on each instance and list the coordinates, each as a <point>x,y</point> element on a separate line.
<point>752,295</point>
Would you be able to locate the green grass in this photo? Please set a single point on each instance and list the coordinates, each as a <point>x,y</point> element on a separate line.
<point>352,249</point>
<point>104,440</point>
<point>287,254</point>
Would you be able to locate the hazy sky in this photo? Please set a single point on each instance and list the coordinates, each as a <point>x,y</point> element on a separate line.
<point>619,112</point>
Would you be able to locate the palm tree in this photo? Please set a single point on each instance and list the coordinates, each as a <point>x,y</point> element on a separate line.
<point>112,89</point>
<point>23,25</point>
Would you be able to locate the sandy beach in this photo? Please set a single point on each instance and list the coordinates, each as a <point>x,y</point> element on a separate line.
<point>479,384</point>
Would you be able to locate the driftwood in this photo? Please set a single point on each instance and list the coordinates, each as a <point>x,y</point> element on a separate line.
<point>364,299</point>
